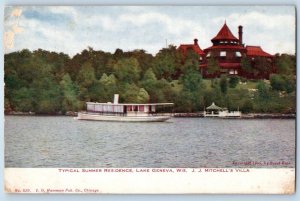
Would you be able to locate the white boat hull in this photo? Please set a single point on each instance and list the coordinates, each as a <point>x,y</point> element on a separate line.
<point>98,117</point>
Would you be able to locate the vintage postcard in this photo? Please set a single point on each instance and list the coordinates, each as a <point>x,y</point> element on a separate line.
<point>150,99</point>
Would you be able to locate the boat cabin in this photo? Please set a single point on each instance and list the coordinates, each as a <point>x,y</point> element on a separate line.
<point>124,109</point>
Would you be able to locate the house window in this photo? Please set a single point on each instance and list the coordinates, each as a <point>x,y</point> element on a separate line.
<point>223,54</point>
<point>221,41</point>
<point>200,58</point>
<point>238,54</point>
<point>231,72</point>
<point>208,54</point>
<point>226,41</point>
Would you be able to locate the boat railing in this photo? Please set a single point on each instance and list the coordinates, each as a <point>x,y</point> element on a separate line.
<point>125,114</point>
<point>105,113</point>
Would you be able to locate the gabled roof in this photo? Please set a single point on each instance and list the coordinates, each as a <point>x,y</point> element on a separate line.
<point>256,51</point>
<point>224,34</point>
<point>195,47</point>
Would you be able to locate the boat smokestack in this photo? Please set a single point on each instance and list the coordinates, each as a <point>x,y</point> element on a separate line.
<point>241,35</point>
<point>116,99</point>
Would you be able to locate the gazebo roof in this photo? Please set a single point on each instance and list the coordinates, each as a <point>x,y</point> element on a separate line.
<point>214,107</point>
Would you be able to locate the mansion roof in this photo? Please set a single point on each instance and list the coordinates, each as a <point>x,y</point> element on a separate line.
<point>256,51</point>
<point>224,34</point>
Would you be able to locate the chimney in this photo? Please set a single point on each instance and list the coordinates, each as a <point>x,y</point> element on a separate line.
<point>116,99</point>
<point>241,35</point>
<point>195,41</point>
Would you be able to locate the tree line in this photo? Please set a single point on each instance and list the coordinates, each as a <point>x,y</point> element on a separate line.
<point>47,82</point>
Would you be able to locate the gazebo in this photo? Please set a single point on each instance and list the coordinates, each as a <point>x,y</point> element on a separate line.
<point>215,111</point>
<point>212,110</point>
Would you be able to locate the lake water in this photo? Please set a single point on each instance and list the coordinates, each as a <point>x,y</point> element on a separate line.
<point>60,141</point>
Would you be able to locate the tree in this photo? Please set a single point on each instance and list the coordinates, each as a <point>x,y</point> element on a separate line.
<point>283,83</point>
<point>143,96</point>
<point>277,82</point>
<point>22,100</point>
<point>150,84</point>
<point>149,75</point>
<point>246,65</point>
<point>263,92</point>
<point>105,88</point>
<point>86,75</point>
<point>191,61</point>
<point>214,95</point>
<point>127,70</point>
<point>184,102</point>
<point>192,81</point>
<point>263,65</point>
<point>108,80</point>
<point>144,59</point>
<point>192,89</point>
<point>69,94</point>
<point>233,81</point>
<point>290,83</point>
<point>285,64</point>
<point>223,84</point>
<point>212,66</point>
<point>46,95</point>
<point>166,62</point>
<point>130,93</point>
<point>247,106</point>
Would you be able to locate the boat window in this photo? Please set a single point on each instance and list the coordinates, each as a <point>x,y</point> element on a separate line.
<point>153,108</point>
<point>90,107</point>
<point>141,108</point>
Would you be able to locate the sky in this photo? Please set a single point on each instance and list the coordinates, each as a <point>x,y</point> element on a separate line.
<point>71,29</point>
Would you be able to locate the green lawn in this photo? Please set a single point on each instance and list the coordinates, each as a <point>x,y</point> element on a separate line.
<point>249,84</point>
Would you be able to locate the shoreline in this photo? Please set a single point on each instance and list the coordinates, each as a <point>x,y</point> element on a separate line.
<point>176,115</point>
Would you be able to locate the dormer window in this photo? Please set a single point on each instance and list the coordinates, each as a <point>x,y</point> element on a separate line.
<point>223,54</point>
